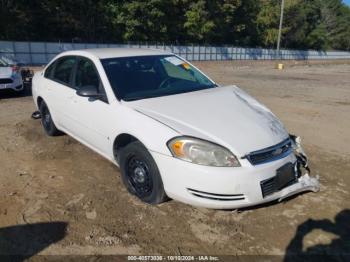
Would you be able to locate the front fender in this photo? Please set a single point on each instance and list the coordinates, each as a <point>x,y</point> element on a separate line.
<point>153,134</point>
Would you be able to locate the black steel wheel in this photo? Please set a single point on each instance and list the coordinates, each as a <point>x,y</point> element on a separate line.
<point>139,176</point>
<point>140,173</point>
<point>47,121</point>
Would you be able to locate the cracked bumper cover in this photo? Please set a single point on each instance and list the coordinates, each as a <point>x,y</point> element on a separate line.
<point>305,181</point>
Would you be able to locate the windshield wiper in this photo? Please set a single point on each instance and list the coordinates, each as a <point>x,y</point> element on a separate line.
<point>206,86</point>
<point>138,98</point>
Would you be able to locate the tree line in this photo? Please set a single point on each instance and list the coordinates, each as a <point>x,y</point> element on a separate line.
<point>308,24</point>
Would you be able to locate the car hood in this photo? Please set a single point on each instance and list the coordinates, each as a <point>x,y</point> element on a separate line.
<point>224,115</point>
<point>5,72</point>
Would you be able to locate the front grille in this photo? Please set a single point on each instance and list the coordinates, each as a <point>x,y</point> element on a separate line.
<point>212,196</point>
<point>6,81</point>
<point>269,186</point>
<point>271,153</point>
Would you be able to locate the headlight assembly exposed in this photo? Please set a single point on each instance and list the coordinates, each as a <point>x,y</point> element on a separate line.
<point>202,152</point>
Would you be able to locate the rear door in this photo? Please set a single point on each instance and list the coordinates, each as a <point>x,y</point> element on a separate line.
<point>58,85</point>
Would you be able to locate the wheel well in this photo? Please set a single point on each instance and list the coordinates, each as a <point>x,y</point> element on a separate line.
<point>39,100</point>
<point>121,141</point>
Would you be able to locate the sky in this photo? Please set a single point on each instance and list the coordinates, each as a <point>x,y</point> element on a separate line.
<point>347,2</point>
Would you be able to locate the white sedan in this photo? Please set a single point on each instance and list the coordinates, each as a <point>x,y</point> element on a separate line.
<point>10,76</point>
<point>172,130</point>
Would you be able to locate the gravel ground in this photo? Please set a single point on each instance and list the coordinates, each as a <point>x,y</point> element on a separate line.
<point>59,197</point>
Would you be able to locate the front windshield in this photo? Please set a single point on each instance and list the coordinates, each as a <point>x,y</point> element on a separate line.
<point>141,77</point>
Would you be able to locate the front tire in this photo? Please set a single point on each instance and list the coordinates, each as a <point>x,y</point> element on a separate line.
<point>47,121</point>
<point>140,173</point>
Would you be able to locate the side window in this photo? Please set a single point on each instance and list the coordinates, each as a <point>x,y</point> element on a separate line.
<point>63,69</point>
<point>86,74</point>
<point>48,71</point>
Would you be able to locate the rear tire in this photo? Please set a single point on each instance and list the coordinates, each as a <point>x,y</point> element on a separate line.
<point>140,173</point>
<point>47,121</point>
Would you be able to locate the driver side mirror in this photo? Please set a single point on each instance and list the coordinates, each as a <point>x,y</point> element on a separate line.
<point>90,91</point>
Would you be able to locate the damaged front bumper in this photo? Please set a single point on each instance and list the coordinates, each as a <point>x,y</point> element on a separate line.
<point>305,182</point>
<point>232,188</point>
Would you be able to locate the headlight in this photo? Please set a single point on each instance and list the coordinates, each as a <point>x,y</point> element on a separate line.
<point>202,152</point>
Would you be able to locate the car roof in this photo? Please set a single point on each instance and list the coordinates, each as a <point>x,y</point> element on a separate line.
<point>104,53</point>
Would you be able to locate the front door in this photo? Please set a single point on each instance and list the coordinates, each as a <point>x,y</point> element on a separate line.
<point>91,116</point>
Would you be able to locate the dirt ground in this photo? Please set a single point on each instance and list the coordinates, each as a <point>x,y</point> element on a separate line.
<point>59,197</point>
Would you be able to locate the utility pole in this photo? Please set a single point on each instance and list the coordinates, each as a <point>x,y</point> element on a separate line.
<point>280,29</point>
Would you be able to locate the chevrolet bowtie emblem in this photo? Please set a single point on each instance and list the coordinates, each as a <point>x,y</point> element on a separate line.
<point>277,152</point>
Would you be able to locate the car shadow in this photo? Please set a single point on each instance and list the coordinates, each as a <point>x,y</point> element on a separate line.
<point>337,250</point>
<point>8,93</point>
<point>20,242</point>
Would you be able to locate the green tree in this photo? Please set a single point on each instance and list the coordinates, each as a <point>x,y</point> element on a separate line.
<point>199,24</point>
<point>308,24</point>
<point>341,40</point>
<point>143,20</point>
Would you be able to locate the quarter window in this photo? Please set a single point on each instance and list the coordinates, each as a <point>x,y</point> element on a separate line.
<point>63,70</point>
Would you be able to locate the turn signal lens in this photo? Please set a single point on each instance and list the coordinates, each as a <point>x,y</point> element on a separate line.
<point>178,148</point>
